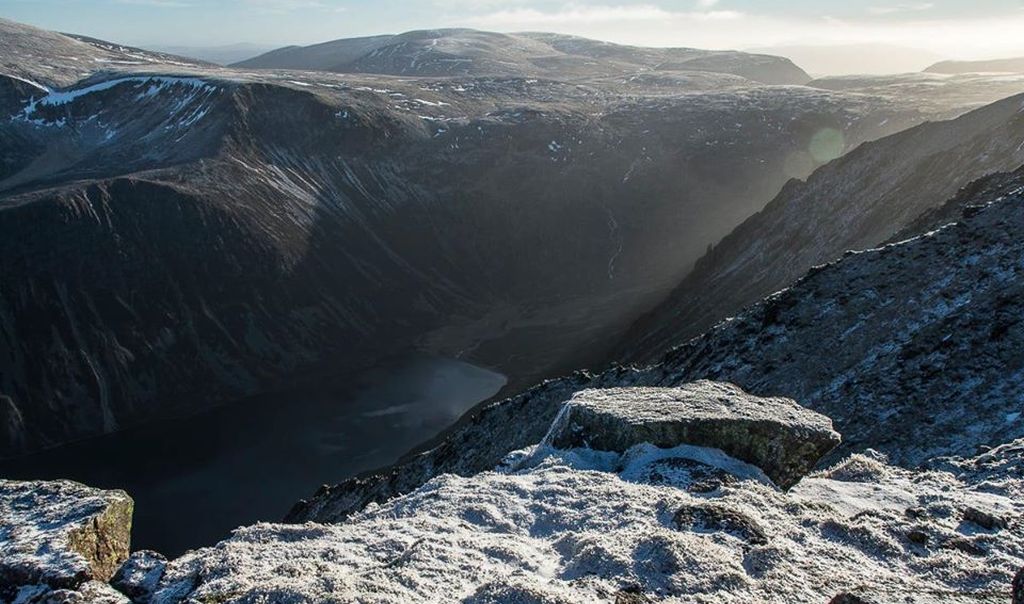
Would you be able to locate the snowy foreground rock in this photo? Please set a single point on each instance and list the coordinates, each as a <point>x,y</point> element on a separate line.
<point>679,525</point>
<point>777,435</point>
<point>60,540</point>
<point>682,524</point>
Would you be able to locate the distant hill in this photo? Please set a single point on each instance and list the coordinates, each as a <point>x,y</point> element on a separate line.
<point>996,65</point>
<point>462,52</point>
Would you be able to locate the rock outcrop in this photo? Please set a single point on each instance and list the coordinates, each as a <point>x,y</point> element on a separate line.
<point>60,535</point>
<point>555,526</point>
<point>777,435</point>
<point>139,575</point>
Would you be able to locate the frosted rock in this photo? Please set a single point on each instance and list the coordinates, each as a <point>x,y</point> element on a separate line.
<point>60,534</point>
<point>138,576</point>
<point>593,526</point>
<point>782,438</point>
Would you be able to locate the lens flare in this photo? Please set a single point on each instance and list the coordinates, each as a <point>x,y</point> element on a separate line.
<point>826,144</point>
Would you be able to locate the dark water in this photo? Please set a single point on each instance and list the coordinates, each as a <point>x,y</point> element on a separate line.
<point>195,479</point>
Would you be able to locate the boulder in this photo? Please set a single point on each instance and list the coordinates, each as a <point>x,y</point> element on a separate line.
<point>60,534</point>
<point>714,517</point>
<point>777,435</point>
<point>139,575</point>
<point>985,520</point>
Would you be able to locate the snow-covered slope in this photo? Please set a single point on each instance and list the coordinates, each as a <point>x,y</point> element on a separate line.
<point>913,349</point>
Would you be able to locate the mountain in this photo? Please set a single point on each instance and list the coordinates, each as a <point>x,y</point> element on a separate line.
<point>912,349</point>
<point>462,52</point>
<point>856,202</point>
<point>260,227</point>
<point>179,235</point>
<point>992,66</point>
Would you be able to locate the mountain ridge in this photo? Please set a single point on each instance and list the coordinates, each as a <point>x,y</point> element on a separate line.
<point>462,51</point>
<point>1014,65</point>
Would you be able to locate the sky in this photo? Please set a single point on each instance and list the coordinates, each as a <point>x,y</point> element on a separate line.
<point>957,29</point>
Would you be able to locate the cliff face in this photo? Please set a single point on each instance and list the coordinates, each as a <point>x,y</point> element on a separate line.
<point>912,349</point>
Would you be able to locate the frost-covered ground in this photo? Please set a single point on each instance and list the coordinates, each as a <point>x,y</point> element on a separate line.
<point>554,526</point>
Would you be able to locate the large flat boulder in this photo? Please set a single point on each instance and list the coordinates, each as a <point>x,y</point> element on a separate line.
<point>777,435</point>
<point>60,534</point>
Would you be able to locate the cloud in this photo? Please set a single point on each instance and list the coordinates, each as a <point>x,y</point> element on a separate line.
<point>285,6</point>
<point>576,14</point>
<point>157,3</point>
<point>706,3</point>
<point>476,5</point>
<point>900,8</point>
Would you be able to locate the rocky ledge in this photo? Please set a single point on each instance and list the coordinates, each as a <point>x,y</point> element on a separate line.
<point>777,435</point>
<point>589,515</point>
<point>59,541</point>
